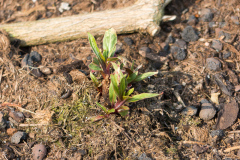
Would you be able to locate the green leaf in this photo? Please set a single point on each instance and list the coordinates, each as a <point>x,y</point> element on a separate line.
<point>141,96</point>
<point>122,87</point>
<point>115,85</point>
<point>132,77</point>
<point>94,79</point>
<point>94,46</point>
<point>110,41</point>
<point>132,66</point>
<point>112,94</point>
<point>123,110</point>
<point>95,60</point>
<point>105,54</point>
<point>130,91</point>
<point>102,107</point>
<point>144,75</point>
<point>112,59</point>
<point>111,110</point>
<point>94,67</point>
<point>97,118</point>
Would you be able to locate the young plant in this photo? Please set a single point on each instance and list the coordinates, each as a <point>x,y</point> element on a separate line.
<point>119,94</point>
<point>117,79</point>
<point>102,62</point>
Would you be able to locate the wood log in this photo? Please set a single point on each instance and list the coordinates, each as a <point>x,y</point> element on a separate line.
<point>144,15</point>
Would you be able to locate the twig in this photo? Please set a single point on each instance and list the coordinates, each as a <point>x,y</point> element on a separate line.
<point>193,142</point>
<point>31,125</point>
<point>18,106</point>
<point>178,97</point>
<point>231,149</point>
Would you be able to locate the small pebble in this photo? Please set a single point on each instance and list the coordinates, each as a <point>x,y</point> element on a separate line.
<point>144,157</point>
<point>45,70</point>
<point>119,48</point>
<point>189,111</point>
<point>24,62</point>
<point>35,56</point>
<point>212,24</point>
<point>216,44</point>
<point>36,72</point>
<point>170,39</point>
<point>235,20</point>
<point>207,111</point>
<point>218,133</point>
<point>206,15</point>
<point>192,20</point>
<point>3,124</point>
<point>178,53</point>
<point>144,50</point>
<point>18,137</point>
<point>227,36</point>
<point>213,64</point>
<point>189,34</point>
<point>226,54</point>
<point>181,44</point>
<point>64,6</point>
<point>128,41</point>
<point>39,151</point>
<point>222,24</point>
<point>17,116</point>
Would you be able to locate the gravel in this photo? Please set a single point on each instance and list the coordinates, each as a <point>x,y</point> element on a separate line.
<point>192,20</point>
<point>216,44</point>
<point>206,15</point>
<point>178,53</point>
<point>189,34</point>
<point>207,111</point>
<point>18,137</point>
<point>128,41</point>
<point>213,64</point>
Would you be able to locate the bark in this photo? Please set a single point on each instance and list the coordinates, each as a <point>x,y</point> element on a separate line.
<point>144,15</point>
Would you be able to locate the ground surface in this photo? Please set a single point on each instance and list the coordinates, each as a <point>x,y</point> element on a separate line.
<point>159,128</point>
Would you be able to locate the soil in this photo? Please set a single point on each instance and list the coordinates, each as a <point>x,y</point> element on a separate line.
<point>200,75</point>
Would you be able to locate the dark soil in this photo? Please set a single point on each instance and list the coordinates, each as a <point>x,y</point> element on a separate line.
<point>57,98</point>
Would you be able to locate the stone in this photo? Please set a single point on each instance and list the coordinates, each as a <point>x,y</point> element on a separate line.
<point>218,133</point>
<point>24,61</point>
<point>17,116</point>
<point>213,64</point>
<point>39,151</point>
<point>45,70</point>
<point>227,36</point>
<point>227,115</point>
<point>207,111</point>
<point>235,20</point>
<point>128,41</point>
<point>64,6</point>
<point>35,56</point>
<point>181,43</point>
<point>178,53</point>
<point>216,44</point>
<point>189,34</point>
<point>192,20</point>
<point>189,111</point>
<point>119,48</point>
<point>226,54</point>
<point>206,15</point>
<point>144,50</point>
<point>18,137</point>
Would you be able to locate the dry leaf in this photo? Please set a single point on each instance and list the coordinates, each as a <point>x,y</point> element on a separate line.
<point>214,98</point>
<point>43,116</point>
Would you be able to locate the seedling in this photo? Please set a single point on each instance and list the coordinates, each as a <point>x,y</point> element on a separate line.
<point>118,76</point>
